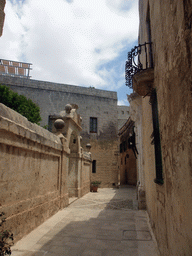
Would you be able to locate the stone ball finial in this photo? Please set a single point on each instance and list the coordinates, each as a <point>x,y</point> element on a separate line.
<point>68,108</point>
<point>88,146</point>
<point>59,124</point>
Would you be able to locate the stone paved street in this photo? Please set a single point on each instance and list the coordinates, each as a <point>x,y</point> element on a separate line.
<point>98,224</point>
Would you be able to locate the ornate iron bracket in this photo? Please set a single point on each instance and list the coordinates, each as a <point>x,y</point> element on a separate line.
<point>139,58</point>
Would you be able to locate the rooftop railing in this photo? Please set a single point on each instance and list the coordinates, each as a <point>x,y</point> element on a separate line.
<point>139,58</point>
<point>14,68</point>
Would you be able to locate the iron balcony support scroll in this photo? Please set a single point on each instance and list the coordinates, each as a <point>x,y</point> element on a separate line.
<point>139,58</point>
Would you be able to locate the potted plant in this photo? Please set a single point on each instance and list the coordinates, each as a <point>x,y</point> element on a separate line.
<point>95,185</point>
<point>6,237</point>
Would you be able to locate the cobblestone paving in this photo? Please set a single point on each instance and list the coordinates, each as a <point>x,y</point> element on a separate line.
<point>98,224</point>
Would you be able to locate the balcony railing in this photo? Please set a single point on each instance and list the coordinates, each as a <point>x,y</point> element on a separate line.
<point>139,58</point>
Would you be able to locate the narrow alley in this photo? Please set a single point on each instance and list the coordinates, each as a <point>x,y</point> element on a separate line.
<point>103,223</point>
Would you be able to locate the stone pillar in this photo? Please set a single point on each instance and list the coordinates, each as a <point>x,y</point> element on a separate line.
<point>63,169</point>
<point>136,115</point>
<point>88,147</point>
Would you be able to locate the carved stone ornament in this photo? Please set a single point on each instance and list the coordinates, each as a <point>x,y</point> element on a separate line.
<point>88,146</point>
<point>68,108</point>
<point>59,124</point>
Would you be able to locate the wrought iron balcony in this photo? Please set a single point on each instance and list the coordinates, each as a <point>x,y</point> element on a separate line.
<point>139,58</point>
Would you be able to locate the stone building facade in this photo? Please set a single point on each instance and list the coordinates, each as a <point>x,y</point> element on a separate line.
<point>128,154</point>
<point>163,82</point>
<point>98,110</point>
<point>122,115</point>
<point>14,68</point>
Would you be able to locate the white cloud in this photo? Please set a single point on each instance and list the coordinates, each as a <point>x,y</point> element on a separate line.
<point>68,40</point>
<point>123,102</point>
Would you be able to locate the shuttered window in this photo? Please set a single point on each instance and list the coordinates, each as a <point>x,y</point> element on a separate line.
<point>156,139</point>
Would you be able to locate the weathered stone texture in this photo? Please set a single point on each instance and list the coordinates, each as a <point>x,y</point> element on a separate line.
<point>30,165</point>
<point>122,115</point>
<point>52,98</point>
<point>34,171</point>
<point>85,178</point>
<point>169,205</point>
<point>105,153</point>
<point>128,170</point>
<point>2,15</point>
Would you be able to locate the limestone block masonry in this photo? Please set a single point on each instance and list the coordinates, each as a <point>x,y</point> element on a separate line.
<point>30,166</point>
<point>52,98</point>
<point>167,25</point>
<point>33,173</point>
<point>99,104</point>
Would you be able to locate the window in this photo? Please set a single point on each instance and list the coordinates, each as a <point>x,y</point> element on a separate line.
<point>94,166</point>
<point>6,69</point>
<point>124,146</point>
<point>93,124</point>
<point>121,148</point>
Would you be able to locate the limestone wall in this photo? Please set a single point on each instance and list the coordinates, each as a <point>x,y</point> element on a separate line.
<point>128,170</point>
<point>128,174</point>
<point>105,153</point>
<point>30,173</point>
<point>85,174</point>
<point>122,115</point>
<point>169,205</point>
<point>34,169</point>
<point>52,98</point>
<point>100,104</point>
<point>2,15</point>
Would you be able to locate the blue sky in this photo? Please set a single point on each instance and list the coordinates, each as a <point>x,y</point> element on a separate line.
<point>73,42</point>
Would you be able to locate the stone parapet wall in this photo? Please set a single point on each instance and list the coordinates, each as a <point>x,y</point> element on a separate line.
<point>34,172</point>
<point>30,167</point>
<point>52,98</point>
<point>44,85</point>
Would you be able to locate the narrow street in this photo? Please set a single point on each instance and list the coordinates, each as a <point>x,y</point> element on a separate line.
<point>98,224</point>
